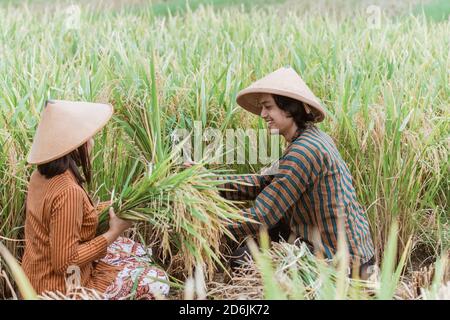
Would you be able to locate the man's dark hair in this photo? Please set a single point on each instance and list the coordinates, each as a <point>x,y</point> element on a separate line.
<point>78,157</point>
<point>295,109</point>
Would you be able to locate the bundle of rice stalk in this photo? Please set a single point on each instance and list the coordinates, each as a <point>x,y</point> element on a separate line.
<point>285,271</point>
<point>185,210</point>
<point>187,215</point>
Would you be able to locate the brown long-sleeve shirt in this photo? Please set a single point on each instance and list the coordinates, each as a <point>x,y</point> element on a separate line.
<point>60,229</point>
<point>312,190</point>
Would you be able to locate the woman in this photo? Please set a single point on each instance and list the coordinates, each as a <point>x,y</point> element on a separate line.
<point>62,251</point>
<point>312,189</point>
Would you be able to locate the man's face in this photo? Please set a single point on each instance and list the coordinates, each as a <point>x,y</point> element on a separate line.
<point>276,118</point>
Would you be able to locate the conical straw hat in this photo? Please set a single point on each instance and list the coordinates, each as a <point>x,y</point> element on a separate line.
<point>64,126</point>
<point>284,82</point>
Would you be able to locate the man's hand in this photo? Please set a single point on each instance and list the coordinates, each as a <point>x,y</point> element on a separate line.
<point>188,164</point>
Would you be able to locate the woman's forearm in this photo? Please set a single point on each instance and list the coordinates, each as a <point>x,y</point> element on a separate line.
<point>111,235</point>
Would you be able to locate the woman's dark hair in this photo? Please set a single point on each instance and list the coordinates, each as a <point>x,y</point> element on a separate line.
<point>295,109</point>
<point>78,157</point>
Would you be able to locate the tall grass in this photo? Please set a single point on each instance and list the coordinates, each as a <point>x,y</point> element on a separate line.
<point>26,289</point>
<point>291,271</point>
<point>386,90</point>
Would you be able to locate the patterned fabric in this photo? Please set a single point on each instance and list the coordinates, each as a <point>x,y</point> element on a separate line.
<point>60,229</point>
<point>313,190</point>
<point>139,278</point>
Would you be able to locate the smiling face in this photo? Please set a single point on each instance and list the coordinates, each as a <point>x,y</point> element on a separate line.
<point>275,118</point>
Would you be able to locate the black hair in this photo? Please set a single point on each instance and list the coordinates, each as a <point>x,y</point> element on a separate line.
<point>71,161</point>
<point>295,109</point>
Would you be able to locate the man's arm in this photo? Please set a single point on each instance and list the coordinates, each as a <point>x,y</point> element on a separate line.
<point>297,170</point>
<point>244,187</point>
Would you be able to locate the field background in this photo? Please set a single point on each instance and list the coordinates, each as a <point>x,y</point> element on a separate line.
<point>386,89</point>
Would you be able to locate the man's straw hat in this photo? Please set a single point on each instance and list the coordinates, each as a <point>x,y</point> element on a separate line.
<point>284,82</point>
<point>64,126</point>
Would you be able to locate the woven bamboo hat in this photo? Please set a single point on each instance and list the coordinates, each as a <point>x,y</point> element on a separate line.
<point>284,82</point>
<point>64,126</point>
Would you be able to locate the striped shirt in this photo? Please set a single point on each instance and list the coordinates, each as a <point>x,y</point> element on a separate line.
<point>313,191</point>
<point>60,229</point>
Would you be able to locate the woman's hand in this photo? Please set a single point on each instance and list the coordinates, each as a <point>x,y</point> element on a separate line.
<point>102,205</point>
<point>116,226</point>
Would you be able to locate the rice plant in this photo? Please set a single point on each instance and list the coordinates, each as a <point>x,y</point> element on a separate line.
<point>26,289</point>
<point>281,270</point>
<point>386,89</point>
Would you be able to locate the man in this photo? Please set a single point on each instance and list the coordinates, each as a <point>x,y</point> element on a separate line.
<point>312,193</point>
